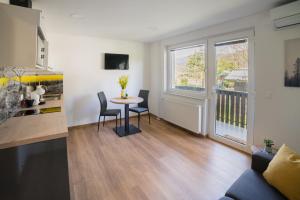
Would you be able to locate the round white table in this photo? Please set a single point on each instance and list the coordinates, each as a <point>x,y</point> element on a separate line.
<point>128,129</point>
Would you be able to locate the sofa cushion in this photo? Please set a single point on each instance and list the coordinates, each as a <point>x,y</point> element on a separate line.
<point>283,172</point>
<point>251,185</point>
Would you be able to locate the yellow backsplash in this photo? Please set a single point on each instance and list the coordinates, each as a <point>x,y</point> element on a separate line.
<point>33,78</point>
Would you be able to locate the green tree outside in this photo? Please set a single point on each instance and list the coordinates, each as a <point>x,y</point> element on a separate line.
<point>229,58</point>
<point>194,72</point>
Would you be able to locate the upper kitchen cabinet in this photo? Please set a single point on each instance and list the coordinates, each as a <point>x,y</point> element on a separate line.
<point>22,42</point>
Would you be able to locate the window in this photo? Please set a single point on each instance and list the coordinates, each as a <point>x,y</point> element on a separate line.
<point>187,68</point>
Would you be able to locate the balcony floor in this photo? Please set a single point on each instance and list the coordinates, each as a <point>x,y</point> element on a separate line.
<point>232,132</point>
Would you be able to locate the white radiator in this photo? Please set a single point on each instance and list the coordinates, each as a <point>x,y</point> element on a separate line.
<point>191,116</point>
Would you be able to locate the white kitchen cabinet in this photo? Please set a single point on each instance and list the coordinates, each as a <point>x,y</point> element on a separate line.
<point>19,37</point>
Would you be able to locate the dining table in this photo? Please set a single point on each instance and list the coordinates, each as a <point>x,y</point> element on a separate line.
<point>127,129</point>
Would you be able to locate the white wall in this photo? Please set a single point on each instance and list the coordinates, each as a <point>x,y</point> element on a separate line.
<point>82,61</point>
<point>277,108</point>
<point>155,78</point>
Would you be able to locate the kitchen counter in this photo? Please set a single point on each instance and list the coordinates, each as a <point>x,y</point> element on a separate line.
<point>34,156</point>
<point>34,128</point>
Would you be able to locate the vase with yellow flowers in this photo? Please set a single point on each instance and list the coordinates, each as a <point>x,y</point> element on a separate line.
<point>123,81</point>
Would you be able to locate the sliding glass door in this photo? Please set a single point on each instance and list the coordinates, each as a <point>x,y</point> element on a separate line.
<point>231,109</point>
<point>231,89</point>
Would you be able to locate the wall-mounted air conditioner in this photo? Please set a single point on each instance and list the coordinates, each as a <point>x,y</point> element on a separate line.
<point>286,15</point>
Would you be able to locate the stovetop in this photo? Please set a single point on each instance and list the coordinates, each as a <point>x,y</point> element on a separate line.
<point>38,111</point>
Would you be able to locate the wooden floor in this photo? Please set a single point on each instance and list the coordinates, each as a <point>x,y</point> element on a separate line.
<point>162,162</point>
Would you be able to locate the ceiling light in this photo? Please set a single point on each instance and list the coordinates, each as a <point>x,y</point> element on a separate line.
<point>76,16</point>
<point>153,28</point>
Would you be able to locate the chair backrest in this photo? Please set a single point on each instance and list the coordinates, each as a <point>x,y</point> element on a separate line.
<point>103,101</point>
<point>144,94</point>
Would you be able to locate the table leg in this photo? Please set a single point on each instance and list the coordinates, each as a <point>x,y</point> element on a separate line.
<point>127,118</point>
<point>127,129</point>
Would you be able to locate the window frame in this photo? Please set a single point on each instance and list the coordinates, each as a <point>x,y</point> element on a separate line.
<point>171,70</point>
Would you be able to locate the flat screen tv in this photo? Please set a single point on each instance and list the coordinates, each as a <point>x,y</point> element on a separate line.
<point>116,61</point>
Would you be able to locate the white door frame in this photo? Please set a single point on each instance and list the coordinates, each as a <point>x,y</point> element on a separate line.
<point>251,88</point>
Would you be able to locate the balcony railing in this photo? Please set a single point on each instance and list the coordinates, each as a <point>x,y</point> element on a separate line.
<point>232,107</point>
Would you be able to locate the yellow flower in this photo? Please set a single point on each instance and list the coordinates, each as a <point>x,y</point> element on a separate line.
<point>123,80</point>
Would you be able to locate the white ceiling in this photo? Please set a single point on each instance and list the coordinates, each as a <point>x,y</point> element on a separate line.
<point>141,20</point>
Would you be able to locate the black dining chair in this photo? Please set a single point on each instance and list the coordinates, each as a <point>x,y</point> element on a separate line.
<point>107,112</point>
<point>143,106</point>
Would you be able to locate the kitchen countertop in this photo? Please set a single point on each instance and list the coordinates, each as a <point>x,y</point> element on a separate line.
<point>29,129</point>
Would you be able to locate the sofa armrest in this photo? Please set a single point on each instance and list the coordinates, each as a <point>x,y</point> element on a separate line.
<point>260,161</point>
<point>226,198</point>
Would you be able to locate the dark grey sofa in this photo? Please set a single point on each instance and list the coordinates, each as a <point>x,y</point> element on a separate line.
<point>251,185</point>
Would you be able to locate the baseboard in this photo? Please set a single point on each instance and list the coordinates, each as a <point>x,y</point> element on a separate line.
<point>135,116</point>
<point>108,120</point>
<point>158,118</point>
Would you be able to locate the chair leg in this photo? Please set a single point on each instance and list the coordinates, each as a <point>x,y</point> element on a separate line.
<point>120,119</point>
<point>139,116</point>
<point>103,121</point>
<point>99,122</point>
<point>149,116</point>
